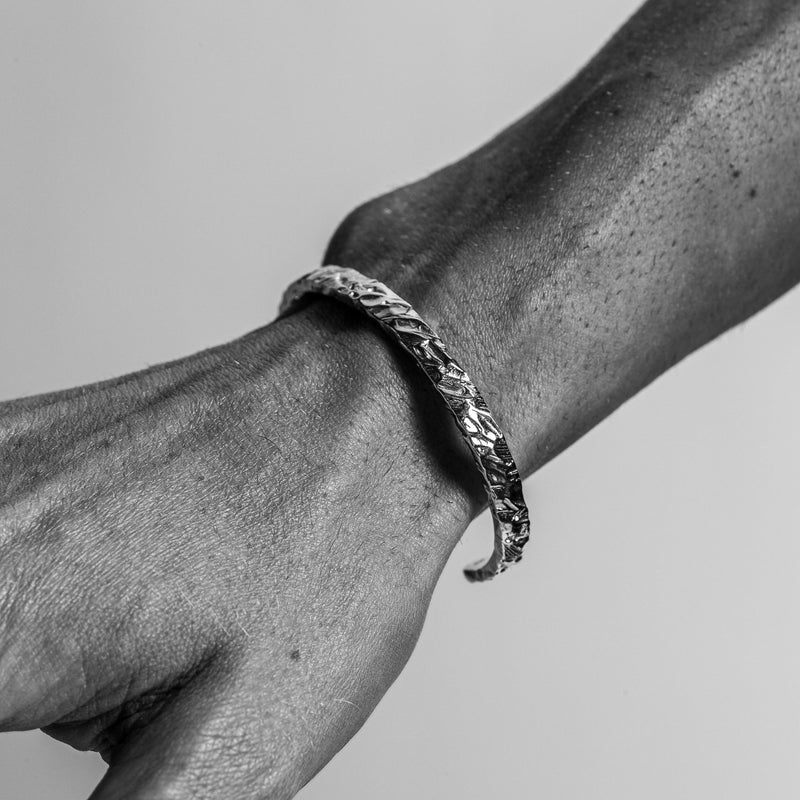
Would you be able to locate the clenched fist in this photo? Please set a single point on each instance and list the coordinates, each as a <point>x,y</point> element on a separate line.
<point>211,571</point>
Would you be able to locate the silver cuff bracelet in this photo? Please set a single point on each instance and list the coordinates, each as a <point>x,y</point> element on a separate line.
<point>485,439</point>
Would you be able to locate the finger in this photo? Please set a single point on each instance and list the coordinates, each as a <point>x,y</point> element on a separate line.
<point>209,742</point>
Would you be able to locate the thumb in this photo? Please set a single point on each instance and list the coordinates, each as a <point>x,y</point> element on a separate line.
<point>206,743</point>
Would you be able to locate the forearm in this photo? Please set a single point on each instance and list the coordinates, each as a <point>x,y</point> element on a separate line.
<point>647,207</point>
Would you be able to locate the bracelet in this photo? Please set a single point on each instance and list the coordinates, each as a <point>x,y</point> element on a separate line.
<point>483,436</point>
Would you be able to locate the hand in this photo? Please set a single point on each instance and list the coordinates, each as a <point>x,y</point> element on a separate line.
<point>213,570</point>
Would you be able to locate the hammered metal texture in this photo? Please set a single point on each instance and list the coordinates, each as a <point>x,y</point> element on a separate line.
<point>485,439</point>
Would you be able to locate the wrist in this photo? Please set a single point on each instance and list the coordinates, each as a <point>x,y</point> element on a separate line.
<point>350,386</point>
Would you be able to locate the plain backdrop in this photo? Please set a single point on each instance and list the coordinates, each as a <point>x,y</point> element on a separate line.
<point>166,168</point>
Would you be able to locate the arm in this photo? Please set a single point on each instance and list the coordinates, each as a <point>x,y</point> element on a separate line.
<point>647,207</point>
<point>249,537</point>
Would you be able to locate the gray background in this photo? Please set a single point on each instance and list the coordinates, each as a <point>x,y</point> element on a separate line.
<point>167,167</point>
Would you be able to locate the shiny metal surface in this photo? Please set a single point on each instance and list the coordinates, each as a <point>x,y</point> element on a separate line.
<point>485,439</point>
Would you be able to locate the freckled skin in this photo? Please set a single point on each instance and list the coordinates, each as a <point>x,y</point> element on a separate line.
<point>211,571</point>
<point>645,208</point>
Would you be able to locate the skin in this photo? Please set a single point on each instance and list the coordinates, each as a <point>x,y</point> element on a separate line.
<point>250,536</point>
<point>242,606</point>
